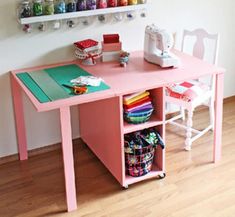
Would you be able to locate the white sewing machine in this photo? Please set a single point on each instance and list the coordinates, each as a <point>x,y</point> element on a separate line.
<point>157,45</point>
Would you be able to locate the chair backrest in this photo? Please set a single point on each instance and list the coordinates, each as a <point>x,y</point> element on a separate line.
<point>201,41</point>
<point>199,46</point>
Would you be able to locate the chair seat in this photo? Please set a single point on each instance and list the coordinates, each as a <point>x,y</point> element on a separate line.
<point>187,91</point>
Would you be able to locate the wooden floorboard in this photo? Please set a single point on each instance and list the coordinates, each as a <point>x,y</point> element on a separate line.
<point>193,187</point>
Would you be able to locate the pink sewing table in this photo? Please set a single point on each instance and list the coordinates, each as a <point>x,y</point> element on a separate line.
<point>100,113</point>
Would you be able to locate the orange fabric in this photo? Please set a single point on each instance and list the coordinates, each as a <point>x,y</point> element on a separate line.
<point>138,102</point>
<point>138,97</point>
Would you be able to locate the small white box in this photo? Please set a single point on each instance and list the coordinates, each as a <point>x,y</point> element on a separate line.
<point>111,56</point>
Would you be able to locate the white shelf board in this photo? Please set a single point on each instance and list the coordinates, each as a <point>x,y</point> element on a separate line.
<point>71,15</point>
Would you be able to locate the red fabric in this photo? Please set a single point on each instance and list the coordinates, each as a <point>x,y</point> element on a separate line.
<point>111,38</point>
<point>92,56</point>
<point>86,44</point>
<point>187,91</point>
<point>186,84</point>
<point>137,103</point>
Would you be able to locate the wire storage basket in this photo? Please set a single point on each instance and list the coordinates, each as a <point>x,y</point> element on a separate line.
<point>139,164</point>
<point>140,151</point>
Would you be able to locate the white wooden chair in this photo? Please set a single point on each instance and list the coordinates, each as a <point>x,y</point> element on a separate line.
<point>205,97</point>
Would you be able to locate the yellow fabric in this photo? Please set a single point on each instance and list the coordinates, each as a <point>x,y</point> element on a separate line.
<point>129,96</point>
<point>131,100</point>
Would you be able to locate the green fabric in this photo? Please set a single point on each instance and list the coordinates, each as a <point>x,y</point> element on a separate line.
<point>44,91</point>
<point>48,85</point>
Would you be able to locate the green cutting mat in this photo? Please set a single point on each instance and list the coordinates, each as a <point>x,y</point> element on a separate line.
<point>48,85</point>
<point>43,86</point>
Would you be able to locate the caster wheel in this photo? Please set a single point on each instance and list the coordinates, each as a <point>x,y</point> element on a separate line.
<point>125,187</point>
<point>162,176</point>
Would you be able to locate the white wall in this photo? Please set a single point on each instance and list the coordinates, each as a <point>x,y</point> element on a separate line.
<point>18,50</point>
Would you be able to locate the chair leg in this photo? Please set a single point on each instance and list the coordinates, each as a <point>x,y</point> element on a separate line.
<point>212,113</point>
<point>188,141</point>
<point>182,112</point>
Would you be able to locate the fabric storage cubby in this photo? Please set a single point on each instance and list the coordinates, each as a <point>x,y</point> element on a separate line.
<point>143,157</point>
<point>156,117</point>
<point>140,151</point>
<point>137,107</point>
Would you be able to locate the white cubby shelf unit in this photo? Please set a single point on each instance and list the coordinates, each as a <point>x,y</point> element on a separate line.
<point>78,14</point>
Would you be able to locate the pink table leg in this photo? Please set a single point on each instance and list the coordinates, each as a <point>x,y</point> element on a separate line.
<point>19,119</point>
<point>218,117</point>
<point>67,148</point>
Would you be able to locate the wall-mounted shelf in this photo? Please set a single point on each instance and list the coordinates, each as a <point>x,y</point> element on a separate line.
<point>45,18</point>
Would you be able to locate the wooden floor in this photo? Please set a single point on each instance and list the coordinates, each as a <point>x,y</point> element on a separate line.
<point>193,187</point>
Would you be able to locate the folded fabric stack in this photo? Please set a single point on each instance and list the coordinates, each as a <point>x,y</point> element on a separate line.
<point>137,107</point>
<point>187,91</point>
<point>86,46</point>
<point>111,47</point>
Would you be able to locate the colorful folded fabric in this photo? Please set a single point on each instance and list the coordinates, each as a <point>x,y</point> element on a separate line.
<point>137,114</point>
<point>127,101</point>
<point>140,106</point>
<point>137,103</point>
<point>143,98</point>
<point>137,107</point>
<point>187,91</point>
<point>129,96</point>
<point>142,109</point>
<point>138,119</point>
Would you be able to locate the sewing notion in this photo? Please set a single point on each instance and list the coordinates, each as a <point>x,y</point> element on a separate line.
<point>87,80</point>
<point>111,47</point>
<point>88,51</point>
<point>77,90</point>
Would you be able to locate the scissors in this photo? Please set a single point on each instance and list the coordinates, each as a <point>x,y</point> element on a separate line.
<point>77,89</point>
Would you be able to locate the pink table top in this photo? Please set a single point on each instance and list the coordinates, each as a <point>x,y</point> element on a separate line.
<point>138,75</point>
